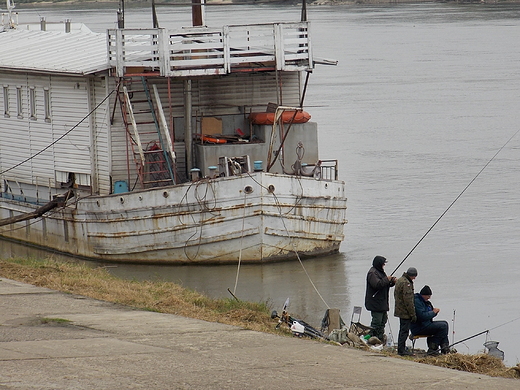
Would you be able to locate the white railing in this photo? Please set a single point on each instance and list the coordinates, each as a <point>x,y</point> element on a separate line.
<point>203,51</point>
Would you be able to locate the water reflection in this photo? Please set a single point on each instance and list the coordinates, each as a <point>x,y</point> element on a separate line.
<point>312,285</point>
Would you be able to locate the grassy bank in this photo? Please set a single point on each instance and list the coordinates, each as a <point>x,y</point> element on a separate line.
<point>163,297</point>
<point>167,297</point>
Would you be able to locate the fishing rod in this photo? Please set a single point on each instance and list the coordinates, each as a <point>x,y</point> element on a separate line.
<point>452,203</point>
<point>485,331</point>
<point>468,338</point>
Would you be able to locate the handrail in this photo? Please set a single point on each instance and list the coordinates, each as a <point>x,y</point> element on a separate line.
<point>203,50</point>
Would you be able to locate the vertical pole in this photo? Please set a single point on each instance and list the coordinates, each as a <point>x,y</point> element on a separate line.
<point>121,14</point>
<point>188,136</point>
<point>155,21</point>
<point>196,12</point>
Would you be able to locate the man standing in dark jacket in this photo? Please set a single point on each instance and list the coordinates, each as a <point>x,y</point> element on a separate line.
<point>376,296</point>
<point>404,307</point>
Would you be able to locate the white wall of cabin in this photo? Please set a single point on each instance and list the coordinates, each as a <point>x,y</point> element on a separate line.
<point>23,138</point>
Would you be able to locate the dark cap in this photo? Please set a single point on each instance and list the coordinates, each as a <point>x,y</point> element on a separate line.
<point>411,271</point>
<point>426,290</point>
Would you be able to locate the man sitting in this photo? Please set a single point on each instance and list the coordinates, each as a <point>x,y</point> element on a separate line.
<point>437,330</point>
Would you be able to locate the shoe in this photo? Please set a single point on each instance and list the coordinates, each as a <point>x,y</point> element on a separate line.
<point>406,353</point>
<point>374,341</point>
<point>433,349</point>
<point>445,349</point>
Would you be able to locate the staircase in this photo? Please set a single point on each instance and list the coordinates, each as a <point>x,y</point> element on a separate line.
<point>147,132</point>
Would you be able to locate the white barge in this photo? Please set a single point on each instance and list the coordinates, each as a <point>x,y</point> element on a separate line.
<point>164,146</point>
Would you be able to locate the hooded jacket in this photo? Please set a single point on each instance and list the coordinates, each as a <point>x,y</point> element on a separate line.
<point>378,285</point>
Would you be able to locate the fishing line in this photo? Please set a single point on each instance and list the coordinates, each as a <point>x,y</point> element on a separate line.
<point>484,331</point>
<point>452,203</point>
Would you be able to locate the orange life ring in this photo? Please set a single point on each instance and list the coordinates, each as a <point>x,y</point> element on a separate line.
<point>213,140</point>
<point>267,118</point>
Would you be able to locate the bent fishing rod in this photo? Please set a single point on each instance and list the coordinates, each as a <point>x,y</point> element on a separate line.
<point>452,203</point>
<point>484,331</point>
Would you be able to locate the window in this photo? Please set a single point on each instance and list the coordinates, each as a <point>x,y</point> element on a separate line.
<point>47,104</point>
<point>6,101</point>
<point>32,103</point>
<point>19,101</point>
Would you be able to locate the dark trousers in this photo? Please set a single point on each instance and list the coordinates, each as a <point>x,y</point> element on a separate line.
<point>404,329</point>
<point>439,332</point>
<point>378,323</point>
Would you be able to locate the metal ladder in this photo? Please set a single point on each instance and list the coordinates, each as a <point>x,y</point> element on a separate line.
<point>155,160</point>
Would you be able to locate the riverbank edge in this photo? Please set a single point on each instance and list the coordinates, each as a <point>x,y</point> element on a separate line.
<point>170,298</point>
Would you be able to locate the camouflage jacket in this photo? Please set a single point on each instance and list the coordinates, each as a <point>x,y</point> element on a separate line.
<point>404,299</point>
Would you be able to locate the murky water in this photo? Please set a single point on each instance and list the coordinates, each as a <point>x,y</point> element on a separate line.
<point>423,97</point>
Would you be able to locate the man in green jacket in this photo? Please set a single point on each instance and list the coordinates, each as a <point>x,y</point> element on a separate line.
<point>404,308</point>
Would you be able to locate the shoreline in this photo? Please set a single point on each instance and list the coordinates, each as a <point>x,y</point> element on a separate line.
<point>311,3</point>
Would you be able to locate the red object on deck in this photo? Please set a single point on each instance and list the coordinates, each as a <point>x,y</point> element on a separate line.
<point>267,118</point>
<point>213,140</point>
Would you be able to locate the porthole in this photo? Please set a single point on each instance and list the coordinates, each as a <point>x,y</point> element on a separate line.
<point>248,189</point>
<point>270,189</point>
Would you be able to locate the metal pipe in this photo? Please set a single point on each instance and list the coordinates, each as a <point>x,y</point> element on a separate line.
<point>188,136</point>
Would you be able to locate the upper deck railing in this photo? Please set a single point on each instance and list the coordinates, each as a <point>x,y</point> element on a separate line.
<point>198,51</point>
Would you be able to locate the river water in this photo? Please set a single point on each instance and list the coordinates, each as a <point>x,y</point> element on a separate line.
<point>422,99</point>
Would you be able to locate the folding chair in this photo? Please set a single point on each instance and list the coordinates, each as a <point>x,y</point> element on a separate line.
<point>414,338</point>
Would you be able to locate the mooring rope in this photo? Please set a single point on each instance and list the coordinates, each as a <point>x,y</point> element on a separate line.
<point>241,238</point>
<point>277,202</point>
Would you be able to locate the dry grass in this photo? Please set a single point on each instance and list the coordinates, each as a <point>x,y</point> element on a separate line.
<point>166,297</point>
<point>163,297</point>
<point>481,364</point>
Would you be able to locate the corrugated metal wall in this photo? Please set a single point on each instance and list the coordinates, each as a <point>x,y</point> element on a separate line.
<point>99,123</point>
<point>70,104</point>
<point>14,141</point>
<point>24,138</point>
